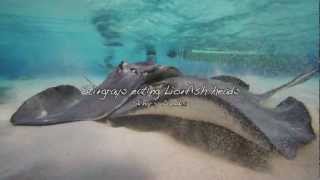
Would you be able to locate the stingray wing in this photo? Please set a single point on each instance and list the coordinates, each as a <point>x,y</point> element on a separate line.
<point>58,105</point>
<point>47,103</point>
<point>234,80</point>
<point>64,104</point>
<point>287,127</point>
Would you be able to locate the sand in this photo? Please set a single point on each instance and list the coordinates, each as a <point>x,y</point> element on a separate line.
<point>89,150</point>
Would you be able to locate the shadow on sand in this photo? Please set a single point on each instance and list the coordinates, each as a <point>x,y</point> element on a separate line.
<point>106,170</point>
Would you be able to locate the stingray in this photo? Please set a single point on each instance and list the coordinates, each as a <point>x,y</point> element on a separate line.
<point>284,128</point>
<point>66,103</point>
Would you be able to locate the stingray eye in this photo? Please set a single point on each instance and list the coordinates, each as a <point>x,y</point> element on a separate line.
<point>134,70</point>
<point>121,65</point>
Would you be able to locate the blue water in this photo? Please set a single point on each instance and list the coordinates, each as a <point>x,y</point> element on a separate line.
<point>45,43</point>
<point>45,37</point>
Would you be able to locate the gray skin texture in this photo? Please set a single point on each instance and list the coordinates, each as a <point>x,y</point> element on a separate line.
<point>237,125</point>
<point>65,103</point>
<point>283,128</point>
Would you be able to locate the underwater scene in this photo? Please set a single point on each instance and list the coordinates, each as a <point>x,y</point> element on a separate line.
<point>159,90</point>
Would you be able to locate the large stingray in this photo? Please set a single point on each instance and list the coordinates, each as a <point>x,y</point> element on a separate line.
<point>66,104</point>
<point>284,128</point>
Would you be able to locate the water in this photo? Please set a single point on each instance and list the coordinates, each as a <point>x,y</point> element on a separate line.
<point>75,36</point>
<point>45,43</point>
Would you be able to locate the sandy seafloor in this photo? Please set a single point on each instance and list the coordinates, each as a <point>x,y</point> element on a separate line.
<point>90,150</point>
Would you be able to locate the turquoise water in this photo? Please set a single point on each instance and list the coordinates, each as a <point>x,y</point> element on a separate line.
<point>45,43</point>
<point>44,37</point>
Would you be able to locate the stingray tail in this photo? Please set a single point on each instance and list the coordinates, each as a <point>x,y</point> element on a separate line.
<point>296,81</point>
